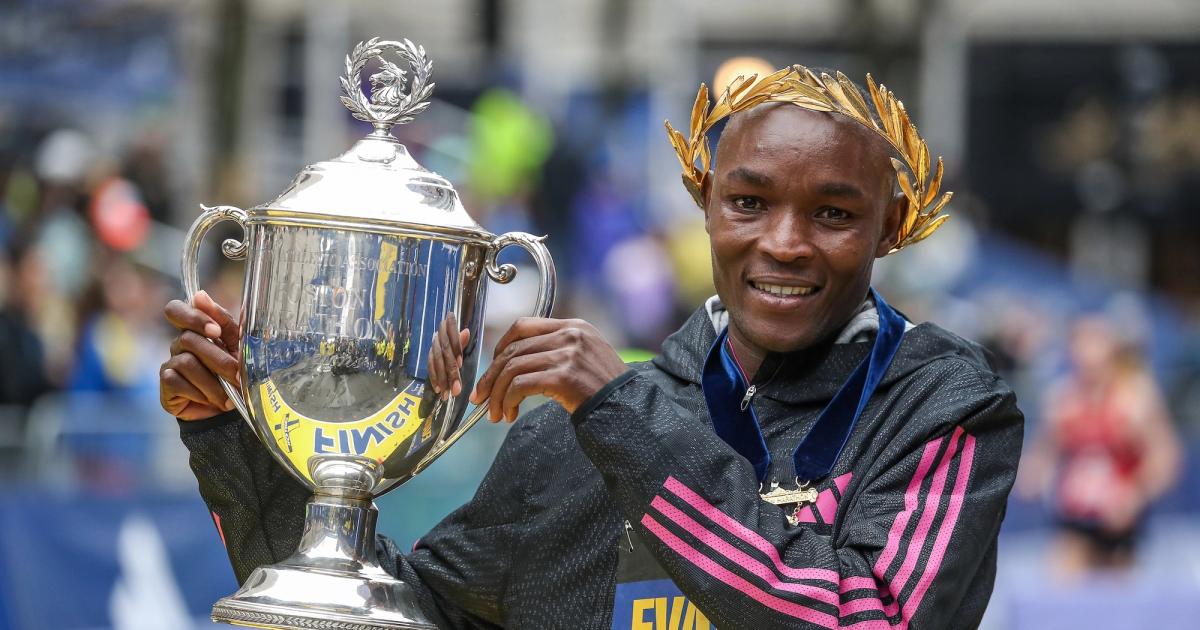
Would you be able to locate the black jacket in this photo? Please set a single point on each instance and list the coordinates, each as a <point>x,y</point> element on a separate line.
<point>903,533</point>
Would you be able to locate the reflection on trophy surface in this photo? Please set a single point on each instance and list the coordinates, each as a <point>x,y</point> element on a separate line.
<point>350,273</point>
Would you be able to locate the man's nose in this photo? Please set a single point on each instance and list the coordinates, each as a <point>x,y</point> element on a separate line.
<point>787,238</point>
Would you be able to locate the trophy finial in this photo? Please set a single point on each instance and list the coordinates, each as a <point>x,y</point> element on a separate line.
<point>395,96</point>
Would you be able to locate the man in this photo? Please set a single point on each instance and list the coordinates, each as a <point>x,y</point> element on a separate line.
<point>799,455</point>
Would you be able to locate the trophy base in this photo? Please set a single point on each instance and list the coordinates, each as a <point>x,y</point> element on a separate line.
<point>332,583</point>
<point>330,602</point>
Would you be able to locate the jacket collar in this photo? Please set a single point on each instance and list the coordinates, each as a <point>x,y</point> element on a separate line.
<point>815,374</point>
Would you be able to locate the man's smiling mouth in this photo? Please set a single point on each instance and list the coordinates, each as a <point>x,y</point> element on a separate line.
<point>784,290</point>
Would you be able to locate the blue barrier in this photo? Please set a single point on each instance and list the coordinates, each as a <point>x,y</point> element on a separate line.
<point>76,562</point>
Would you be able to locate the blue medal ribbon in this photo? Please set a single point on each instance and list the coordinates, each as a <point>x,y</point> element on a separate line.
<point>725,388</point>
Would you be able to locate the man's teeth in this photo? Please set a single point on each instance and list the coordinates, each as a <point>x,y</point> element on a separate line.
<point>778,289</point>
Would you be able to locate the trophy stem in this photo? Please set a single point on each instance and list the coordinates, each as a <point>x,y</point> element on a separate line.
<point>339,533</point>
<point>333,581</point>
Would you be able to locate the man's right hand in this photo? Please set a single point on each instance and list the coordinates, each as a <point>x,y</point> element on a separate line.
<point>188,387</point>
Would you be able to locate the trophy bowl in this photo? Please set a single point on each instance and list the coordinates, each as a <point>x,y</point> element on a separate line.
<point>350,272</point>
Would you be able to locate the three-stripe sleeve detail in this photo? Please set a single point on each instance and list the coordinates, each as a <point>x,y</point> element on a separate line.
<point>728,551</point>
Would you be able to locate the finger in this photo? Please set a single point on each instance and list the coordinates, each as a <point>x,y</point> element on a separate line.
<point>175,392</point>
<point>455,338</point>
<point>437,371</point>
<point>184,316</point>
<point>230,329</point>
<point>554,338</point>
<point>213,357</point>
<point>191,369</point>
<point>448,339</point>
<point>526,385</point>
<point>506,398</point>
<point>538,354</point>
<point>463,338</point>
<point>526,327</point>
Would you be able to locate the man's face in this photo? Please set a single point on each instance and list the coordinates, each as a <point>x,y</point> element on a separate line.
<point>799,206</point>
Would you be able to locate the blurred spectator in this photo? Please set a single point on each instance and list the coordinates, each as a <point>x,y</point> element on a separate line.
<point>1106,450</point>
<point>117,348</point>
<point>23,375</point>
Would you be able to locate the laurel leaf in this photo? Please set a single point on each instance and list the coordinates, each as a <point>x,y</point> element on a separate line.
<point>912,141</point>
<point>680,146</point>
<point>705,155</point>
<point>934,185</point>
<point>910,219</point>
<point>701,104</point>
<point>834,89</point>
<point>941,203</point>
<point>906,186</point>
<point>841,97</point>
<point>876,98</point>
<point>754,101</point>
<point>808,103</point>
<point>739,86</point>
<point>808,76</point>
<point>923,161</point>
<point>856,99</point>
<point>810,92</point>
<point>929,229</point>
<point>768,83</point>
<point>693,189</point>
<point>687,153</point>
<point>896,132</point>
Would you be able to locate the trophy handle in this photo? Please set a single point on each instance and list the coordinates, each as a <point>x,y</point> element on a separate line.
<point>503,274</point>
<point>234,250</point>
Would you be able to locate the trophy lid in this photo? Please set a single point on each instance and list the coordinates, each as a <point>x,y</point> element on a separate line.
<point>377,182</point>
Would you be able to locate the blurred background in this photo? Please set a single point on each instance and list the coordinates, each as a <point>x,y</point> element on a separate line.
<point>1070,129</point>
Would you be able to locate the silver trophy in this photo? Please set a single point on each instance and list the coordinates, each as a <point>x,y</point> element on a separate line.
<point>349,273</point>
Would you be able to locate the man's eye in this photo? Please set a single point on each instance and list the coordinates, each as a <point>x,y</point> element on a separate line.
<point>747,203</point>
<point>833,214</point>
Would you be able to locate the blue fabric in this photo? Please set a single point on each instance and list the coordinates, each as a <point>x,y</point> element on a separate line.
<point>725,387</point>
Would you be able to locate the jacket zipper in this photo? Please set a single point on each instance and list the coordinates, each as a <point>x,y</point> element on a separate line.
<point>749,396</point>
<point>753,389</point>
<point>629,535</point>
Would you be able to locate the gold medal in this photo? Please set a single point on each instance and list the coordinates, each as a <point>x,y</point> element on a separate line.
<point>798,497</point>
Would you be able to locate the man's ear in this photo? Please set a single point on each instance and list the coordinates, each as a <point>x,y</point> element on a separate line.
<point>895,212</point>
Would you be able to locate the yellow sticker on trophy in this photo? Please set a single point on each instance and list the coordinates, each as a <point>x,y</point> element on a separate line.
<point>300,437</point>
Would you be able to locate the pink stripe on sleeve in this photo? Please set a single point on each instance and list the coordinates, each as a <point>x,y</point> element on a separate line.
<point>740,557</point>
<point>827,506</point>
<point>855,583</point>
<point>706,564</point>
<point>911,497</point>
<point>946,530</point>
<point>932,500</point>
<point>843,482</point>
<point>220,531</point>
<point>805,515</point>
<point>746,534</point>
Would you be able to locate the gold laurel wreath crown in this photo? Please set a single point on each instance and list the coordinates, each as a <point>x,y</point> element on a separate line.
<point>802,87</point>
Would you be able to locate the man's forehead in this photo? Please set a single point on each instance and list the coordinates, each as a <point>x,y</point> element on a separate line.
<point>784,122</point>
<point>783,127</point>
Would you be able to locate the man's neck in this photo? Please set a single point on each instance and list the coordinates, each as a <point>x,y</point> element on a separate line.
<point>748,356</point>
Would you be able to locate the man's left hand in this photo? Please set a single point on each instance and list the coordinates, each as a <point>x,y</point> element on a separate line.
<point>566,360</point>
